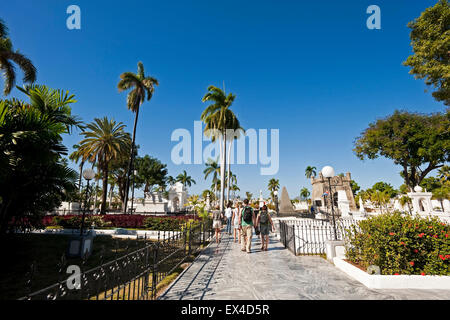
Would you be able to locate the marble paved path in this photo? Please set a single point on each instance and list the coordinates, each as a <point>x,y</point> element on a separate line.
<point>224,272</point>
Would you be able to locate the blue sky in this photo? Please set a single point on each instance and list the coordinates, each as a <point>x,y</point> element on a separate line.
<point>311,69</point>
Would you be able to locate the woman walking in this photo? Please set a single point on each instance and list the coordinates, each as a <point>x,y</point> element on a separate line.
<point>217,224</point>
<point>265,224</point>
<point>235,222</point>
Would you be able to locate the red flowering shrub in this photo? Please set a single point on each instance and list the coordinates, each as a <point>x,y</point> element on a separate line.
<point>401,244</point>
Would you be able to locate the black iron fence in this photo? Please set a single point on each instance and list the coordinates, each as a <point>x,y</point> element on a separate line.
<point>133,276</point>
<point>66,212</point>
<point>308,237</point>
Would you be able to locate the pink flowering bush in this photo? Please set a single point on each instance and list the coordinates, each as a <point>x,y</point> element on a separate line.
<point>401,244</point>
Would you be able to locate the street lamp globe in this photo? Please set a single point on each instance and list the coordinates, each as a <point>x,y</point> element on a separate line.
<point>89,174</point>
<point>275,193</point>
<point>328,172</point>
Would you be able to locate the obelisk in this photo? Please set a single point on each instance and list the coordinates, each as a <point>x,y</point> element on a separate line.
<point>286,207</point>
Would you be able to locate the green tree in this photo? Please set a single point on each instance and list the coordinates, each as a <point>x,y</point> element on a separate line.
<point>150,172</point>
<point>430,41</point>
<point>441,194</point>
<point>212,168</point>
<point>384,187</point>
<point>218,117</point>
<point>274,184</point>
<point>355,187</point>
<point>104,140</point>
<point>431,183</point>
<point>33,177</point>
<point>304,194</point>
<point>405,200</point>
<point>185,179</point>
<point>142,87</point>
<point>249,195</point>
<point>8,56</point>
<point>310,172</point>
<point>418,143</point>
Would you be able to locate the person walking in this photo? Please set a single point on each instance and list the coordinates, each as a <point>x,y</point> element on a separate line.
<point>236,223</point>
<point>228,215</point>
<point>247,221</point>
<point>217,224</point>
<point>265,225</point>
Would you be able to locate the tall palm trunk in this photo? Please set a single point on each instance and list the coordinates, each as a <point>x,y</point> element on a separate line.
<point>222,172</point>
<point>111,191</point>
<point>130,163</point>
<point>105,189</point>
<point>229,171</point>
<point>79,179</point>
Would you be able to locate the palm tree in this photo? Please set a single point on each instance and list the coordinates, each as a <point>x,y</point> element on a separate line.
<point>405,200</point>
<point>142,87</point>
<point>441,194</point>
<point>171,180</point>
<point>235,188</point>
<point>249,195</point>
<point>380,198</point>
<point>444,174</point>
<point>310,172</point>
<point>185,179</point>
<point>304,193</point>
<point>218,118</point>
<point>8,56</point>
<point>237,131</point>
<point>104,140</point>
<point>75,157</point>
<point>273,185</point>
<point>212,167</point>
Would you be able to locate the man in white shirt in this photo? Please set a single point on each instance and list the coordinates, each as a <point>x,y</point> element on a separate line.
<point>228,215</point>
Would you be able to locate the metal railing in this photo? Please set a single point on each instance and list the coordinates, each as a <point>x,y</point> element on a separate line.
<point>133,276</point>
<point>65,212</point>
<point>308,237</point>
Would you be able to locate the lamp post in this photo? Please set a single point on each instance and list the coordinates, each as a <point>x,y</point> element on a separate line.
<point>132,195</point>
<point>275,194</point>
<point>328,172</point>
<point>81,246</point>
<point>88,174</point>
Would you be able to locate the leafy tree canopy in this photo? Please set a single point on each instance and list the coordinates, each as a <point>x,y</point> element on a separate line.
<point>430,41</point>
<point>150,172</point>
<point>419,143</point>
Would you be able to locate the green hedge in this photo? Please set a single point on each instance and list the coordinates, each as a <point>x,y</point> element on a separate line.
<point>401,244</point>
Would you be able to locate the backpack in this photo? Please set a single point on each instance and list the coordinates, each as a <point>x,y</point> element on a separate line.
<point>264,217</point>
<point>247,215</point>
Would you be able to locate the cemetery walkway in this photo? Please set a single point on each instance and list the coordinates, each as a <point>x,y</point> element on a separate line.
<point>224,272</point>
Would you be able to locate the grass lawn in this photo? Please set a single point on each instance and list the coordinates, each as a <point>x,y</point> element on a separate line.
<point>20,250</point>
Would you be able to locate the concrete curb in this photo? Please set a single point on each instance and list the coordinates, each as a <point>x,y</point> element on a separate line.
<point>393,282</point>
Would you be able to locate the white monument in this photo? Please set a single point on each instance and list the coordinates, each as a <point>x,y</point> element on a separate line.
<point>154,202</point>
<point>261,200</point>
<point>343,204</point>
<point>421,201</point>
<point>177,197</point>
<point>362,210</point>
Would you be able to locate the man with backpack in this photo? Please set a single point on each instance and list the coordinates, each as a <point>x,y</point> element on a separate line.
<point>247,221</point>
